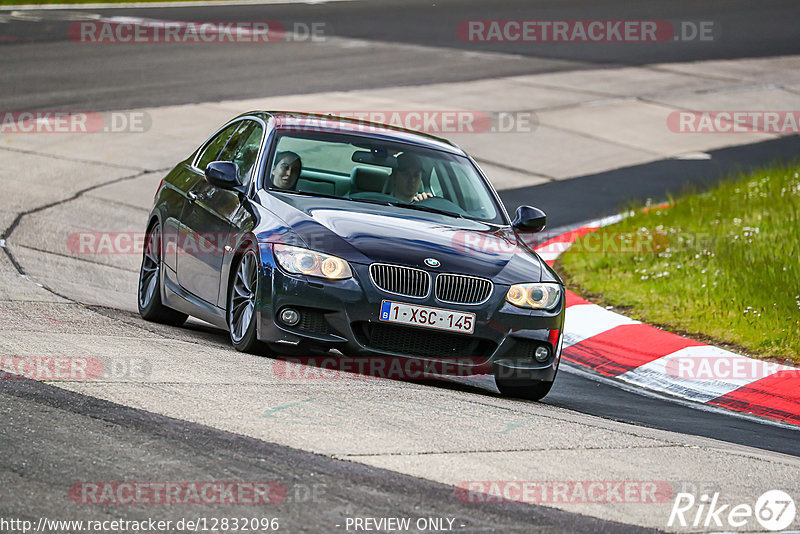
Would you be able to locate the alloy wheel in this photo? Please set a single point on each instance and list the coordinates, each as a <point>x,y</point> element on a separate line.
<point>151,267</point>
<point>243,296</point>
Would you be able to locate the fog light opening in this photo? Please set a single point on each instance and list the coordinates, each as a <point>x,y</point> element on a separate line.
<point>290,316</point>
<point>541,354</point>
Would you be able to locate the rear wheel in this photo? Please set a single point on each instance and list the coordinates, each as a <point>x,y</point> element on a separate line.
<point>149,294</point>
<point>242,297</point>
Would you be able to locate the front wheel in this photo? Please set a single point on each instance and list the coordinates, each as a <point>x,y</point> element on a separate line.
<point>242,298</point>
<point>149,293</point>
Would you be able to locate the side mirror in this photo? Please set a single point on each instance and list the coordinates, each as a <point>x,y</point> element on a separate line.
<point>223,174</point>
<point>529,219</point>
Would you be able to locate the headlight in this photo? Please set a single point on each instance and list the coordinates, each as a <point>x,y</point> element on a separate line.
<point>303,261</point>
<point>543,296</point>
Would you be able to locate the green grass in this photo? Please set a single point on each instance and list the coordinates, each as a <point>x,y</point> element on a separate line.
<point>721,265</point>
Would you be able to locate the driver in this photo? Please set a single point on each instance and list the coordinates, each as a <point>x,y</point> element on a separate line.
<point>407,178</point>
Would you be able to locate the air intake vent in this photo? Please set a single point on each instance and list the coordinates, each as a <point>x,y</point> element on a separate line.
<point>461,289</point>
<point>419,342</point>
<point>405,281</point>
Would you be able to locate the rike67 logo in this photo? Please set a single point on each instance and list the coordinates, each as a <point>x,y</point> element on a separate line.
<point>774,510</point>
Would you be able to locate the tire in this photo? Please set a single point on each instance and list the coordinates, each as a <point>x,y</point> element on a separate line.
<point>242,300</point>
<point>149,289</point>
<point>524,389</point>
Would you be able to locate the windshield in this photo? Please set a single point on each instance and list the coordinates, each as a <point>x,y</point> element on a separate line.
<point>382,172</point>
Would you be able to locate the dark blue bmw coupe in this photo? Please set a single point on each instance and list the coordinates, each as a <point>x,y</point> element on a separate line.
<point>300,232</point>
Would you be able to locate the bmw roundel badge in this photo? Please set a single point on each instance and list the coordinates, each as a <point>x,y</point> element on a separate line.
<point>432,262</point>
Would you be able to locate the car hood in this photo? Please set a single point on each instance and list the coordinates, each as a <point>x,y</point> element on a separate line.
<point>367,233</point>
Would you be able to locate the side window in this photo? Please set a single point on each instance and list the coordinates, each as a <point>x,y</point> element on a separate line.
<point>213,148</point>
<point>243,147</point>
<point>238,137</point>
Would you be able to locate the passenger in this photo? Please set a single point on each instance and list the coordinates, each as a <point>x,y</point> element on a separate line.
<point>407,178</point>
<point>286,170</point>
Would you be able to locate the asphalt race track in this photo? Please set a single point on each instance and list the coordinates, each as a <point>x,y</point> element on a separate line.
<point>227,421</point>
<point>383,44</point>
<point>322,489</point>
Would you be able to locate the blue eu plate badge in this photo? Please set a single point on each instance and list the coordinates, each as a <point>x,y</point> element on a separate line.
<point>386,306</point>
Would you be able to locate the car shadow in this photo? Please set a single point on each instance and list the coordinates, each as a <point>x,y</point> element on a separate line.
<point>324,365</point>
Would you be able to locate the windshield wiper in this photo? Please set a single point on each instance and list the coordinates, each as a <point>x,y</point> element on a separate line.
<point>305,193</point>
<point>425,208</point>
<point>369,201</point>
<point>326,195</point>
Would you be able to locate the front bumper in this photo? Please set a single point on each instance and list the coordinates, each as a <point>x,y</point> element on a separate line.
<point>344,314</point>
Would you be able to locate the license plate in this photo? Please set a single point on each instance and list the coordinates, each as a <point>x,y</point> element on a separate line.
<point>411,314</point>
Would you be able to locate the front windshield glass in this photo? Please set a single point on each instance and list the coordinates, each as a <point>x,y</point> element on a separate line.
<point>382,172</point>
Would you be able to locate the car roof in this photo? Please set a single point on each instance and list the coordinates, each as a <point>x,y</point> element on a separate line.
<point>297,121</point>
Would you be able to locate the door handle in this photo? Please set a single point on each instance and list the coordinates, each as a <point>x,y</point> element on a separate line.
<point>192,196</point>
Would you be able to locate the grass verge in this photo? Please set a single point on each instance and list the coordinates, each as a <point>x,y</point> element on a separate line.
<point>721,265</point>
